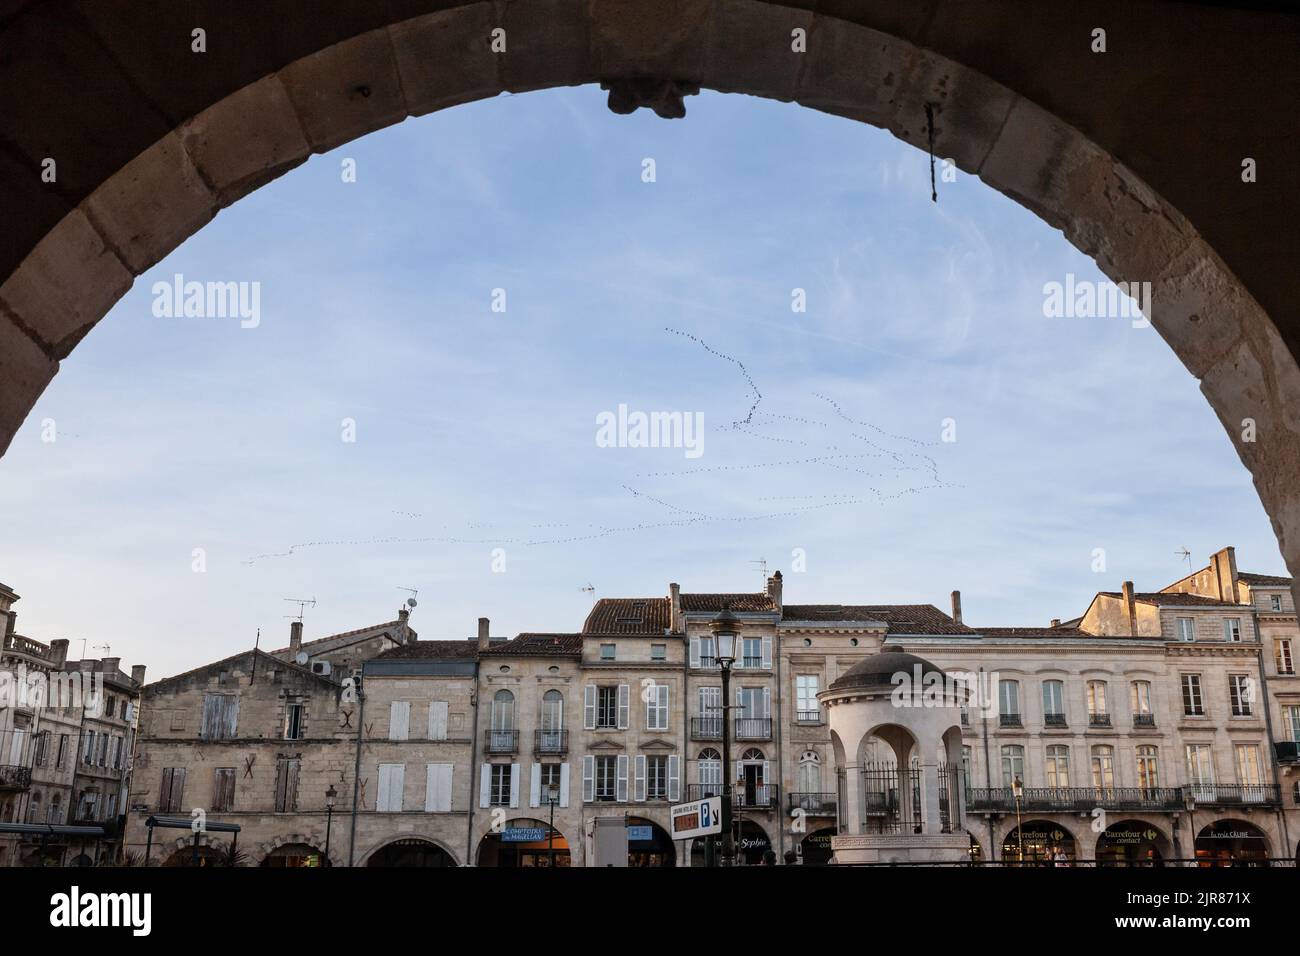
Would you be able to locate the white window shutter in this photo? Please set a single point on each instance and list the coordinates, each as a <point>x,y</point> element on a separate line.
<point>485,785</point>
<point>674,779</point>
<point>514,785</point>
<point>767,702</point>
<point>438,720</point>
<point>695,652</point>
<point>767,652</point>
<point>589,707</point>
<point>437,788</point>
<point>564,784</point>
<point>765,777</point>
<point>535,786</point>
<point>623,696</point>
<point>399,786</point>
<point>620,778</point>
<point>651,702</point>
<point>664,707</point>
<point>399,720</point>
<point>638,787</point>
<point>385,787</point>
<point>588,779</point>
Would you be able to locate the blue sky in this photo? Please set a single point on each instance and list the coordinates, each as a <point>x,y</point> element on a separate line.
<point>475,430</point>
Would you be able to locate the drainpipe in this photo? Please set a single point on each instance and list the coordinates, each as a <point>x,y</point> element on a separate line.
<point>356,766</point>
<point>780,751</point>
<point>988,767</point>
<point>473,765</point>
<point>1268,728</point>
<point>686,722</point>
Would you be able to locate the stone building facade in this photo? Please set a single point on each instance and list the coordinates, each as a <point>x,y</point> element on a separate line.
<point>1157,724</point>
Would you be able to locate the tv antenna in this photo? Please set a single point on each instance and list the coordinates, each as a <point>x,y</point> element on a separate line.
<point>590,589</point>
<point>761,564</point>
<point>303,604</point>
<point>411,602</point>
<point>1186,555</point>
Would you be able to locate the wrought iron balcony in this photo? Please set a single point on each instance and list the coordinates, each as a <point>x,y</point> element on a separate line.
<point>1236,795</point>
<point>501,741</point>
<point>1054,720</point>
<point>706,728</point>
<point>758,797</point>
<point>753,728</point>
<point>550,741</point>
<point>15,778</point>
<point>808,716</point>
<point>1075,799</point>
<point>1099,720</point>
<point>1144,720</point>
<point>1009,720</point>
<point>813,804</point>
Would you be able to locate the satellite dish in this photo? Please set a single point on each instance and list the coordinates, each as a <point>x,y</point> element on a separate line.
<point>410,602</point>
<point>302,657</point>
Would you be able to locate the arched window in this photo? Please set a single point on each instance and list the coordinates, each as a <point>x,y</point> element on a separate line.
<point>810,772</point>
<point>34,809</point>
<point>710,772</point>
<point>753,753</point>
<point>503,710</point>
<point>1058,766</point>
<point>1103,767</point>
<point>553,710</point>
<point>56,809</point>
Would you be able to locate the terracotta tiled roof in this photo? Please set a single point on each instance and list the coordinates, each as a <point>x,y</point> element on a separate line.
<point>1167,598</point>
<point>1033,632</point>
<point>759,601</point>
<point>431,650</point>
<point>1264,580</point>
<point>901,618</point>
<point>614,616</point>
<point>538,645</point>
<point>391,627</point>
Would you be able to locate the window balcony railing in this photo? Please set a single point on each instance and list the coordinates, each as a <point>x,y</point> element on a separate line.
<point>501,741</point>
<point>1144,720</point>
<point>753,728</point>
<point>761,796</point>
<point>1010,720</point>
<point>1099,720</point>
<point>808,716</point>
<point>750,663</point>
<point>1236,795</point>
<point>1054,720</point>
<point>15,778</point>
<point>1075,799</point>
<point>813,804</point>
<point>706,728</point>
<point>550,741</point>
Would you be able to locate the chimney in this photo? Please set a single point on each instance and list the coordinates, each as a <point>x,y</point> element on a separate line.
<point>956,606</point>
<point>295,635</point>
<point>1223,566</point>
<point>59,652</point>
<point>1130,608</point>
<point>109,665</point>
<point>403,615</point>
<point>774,588</point>
<point>675,608</point>
<point>1056,622</point>
<point>137,675</point>
<point>483,638</point>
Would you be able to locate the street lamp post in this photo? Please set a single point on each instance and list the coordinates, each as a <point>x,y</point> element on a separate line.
<point>551,794</point>
<point>1018,789</point>
<point>331,796</point>
<point>725,627</point>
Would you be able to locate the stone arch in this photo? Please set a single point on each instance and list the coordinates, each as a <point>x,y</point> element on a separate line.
<point>266,848</point>
<point>1075,842</point>
<point>364,859</point>
<point>159,158</point>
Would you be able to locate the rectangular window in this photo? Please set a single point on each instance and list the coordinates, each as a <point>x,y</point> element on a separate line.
<point>706,652</point>
<point>1200,771</point>
<point>1186,630</point>
<point>607,652</point>
<point>392,784</point>
<point>500,785</point>
<point>1241,691</point>
<point>606,778</point>
<point>286,784</point>
<point>1009,701</point>
<point>1140,698</point>
<point>1275,602</point>
<point>1282,655</point>
<point>1291,720</point>
<point>1232,629</point>
<point>658,652</point>
<point>656,777</point>
<point>399,720</point>
<point>1250,771</point>
<point>656,708</point>
<point>1058,766</point>
<point>1013,765</point>
<point>223,789</point>
<point>171,798</point>
<point>807,707</point>
<point>751,650</point>
<point>1148,768</point>
<point>1193,706</point>
<point>1097,698</point>
<point>1053,698</point>
<point>607,707</point>
<point>220,712</point>
<point>1103,768</point>
<point>293,721</point>
<point>61,758</point>
<point>117,753</point>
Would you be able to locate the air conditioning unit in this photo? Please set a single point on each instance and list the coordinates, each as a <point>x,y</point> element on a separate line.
<point>320,667</point>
